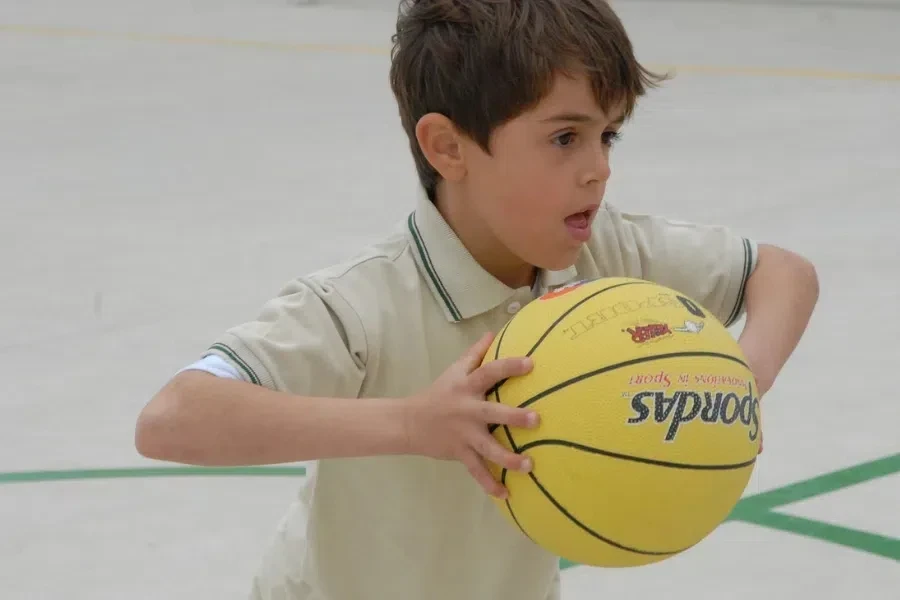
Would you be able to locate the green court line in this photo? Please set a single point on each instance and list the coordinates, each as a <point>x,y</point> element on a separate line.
<point>757,510</point>
<point>822,484</point>
<point>145,472</point>
<point>863,541</point>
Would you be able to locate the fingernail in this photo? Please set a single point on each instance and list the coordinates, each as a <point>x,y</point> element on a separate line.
<point>503,494</point>
<point>527,363</point>
<point>533,419</point>
<point>526,465</point>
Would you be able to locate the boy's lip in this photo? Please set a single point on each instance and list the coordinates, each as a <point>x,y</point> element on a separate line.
<point>579,223</point>
<point>589,211</point>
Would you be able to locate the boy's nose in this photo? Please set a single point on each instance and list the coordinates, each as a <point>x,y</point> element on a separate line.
<point>598,171</point>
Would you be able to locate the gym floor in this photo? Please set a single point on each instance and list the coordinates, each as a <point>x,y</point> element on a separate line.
<point>165,166</point>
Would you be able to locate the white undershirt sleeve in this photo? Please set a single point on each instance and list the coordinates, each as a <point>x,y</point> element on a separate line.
<point>214,365</point>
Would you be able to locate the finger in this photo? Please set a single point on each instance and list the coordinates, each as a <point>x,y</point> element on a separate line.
<point>483,477</point>
<point>491,450</point>
<point>488,375</point>
<point>495,413</point>
<point>474,356</point>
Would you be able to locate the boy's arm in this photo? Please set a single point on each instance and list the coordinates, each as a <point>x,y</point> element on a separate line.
<point>282,387</point>
<point>302,364</point>
<point>780,297</point>
<point>202,419</point>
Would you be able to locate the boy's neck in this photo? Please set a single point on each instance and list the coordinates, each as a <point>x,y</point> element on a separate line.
<point>481,242</point>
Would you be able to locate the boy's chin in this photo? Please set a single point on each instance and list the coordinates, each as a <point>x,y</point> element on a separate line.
<point>556,261</point>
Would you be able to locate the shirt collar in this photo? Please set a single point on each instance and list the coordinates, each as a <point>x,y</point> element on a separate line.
<point>460,285</point>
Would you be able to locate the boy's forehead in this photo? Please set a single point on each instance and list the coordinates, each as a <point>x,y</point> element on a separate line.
<point>571,98</point>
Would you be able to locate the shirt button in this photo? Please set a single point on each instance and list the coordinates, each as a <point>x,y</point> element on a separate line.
<point>513,308</point>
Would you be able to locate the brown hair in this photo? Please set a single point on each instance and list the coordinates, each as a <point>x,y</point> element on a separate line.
<point>481,63</point>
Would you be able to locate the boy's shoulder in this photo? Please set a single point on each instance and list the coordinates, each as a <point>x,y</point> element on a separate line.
<point>380,269</point>
<point>710,263</point>
<point>326,322</point>
<point>376,287</point>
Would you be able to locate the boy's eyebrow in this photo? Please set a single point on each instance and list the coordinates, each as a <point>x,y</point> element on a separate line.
<point>576,117</point>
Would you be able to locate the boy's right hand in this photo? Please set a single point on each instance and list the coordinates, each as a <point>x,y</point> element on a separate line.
<point>450,419</point>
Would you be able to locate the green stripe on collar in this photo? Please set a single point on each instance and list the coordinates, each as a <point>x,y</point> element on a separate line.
<point>429,268</point>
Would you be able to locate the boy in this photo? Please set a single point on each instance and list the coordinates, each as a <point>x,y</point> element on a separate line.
<point>371,367</point>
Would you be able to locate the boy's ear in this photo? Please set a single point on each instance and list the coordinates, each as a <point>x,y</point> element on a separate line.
<point>441,144</point>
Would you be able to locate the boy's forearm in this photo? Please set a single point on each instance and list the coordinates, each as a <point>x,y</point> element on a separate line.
<point>201,419</point>
<point>780,298</point>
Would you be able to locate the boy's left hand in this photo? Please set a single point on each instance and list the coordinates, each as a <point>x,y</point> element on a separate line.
<point>763,372</point>
<point>762,386</point>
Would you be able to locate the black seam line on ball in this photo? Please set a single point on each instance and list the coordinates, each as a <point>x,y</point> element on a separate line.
<point>500,341</point>
<point>496,394</point>
<point>627,363</point>
<point>512,444</point>
<point>495,390</point>
<point>497,385</point>
<point>512,513</point>
<point>593,533</point>
<point>576,305</point>
<point>638,459</point>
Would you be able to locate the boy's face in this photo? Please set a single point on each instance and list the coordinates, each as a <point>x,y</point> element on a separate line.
<point>539,189</point>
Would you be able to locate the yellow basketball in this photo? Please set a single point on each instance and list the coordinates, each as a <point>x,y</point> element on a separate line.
<point>650,422</point>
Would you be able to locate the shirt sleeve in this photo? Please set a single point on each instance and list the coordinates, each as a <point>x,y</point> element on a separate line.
<point>213,365</point>
<point>308,340</point>
<point>708,263</point>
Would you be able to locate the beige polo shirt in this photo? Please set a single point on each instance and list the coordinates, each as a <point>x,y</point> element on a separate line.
<point>387,323</point>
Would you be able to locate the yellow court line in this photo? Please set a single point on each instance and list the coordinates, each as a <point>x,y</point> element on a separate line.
<point>794,73</point>
<point>360,49</point>
<point>72,32</point>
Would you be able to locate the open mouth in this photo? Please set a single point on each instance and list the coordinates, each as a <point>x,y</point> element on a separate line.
<point>579,224</point>
<point>582,218</point>
<point>579,220</point>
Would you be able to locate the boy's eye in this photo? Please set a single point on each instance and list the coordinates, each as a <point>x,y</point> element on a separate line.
<point>611,137</point>
<point>568,138</point>
<point>565,139</point>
